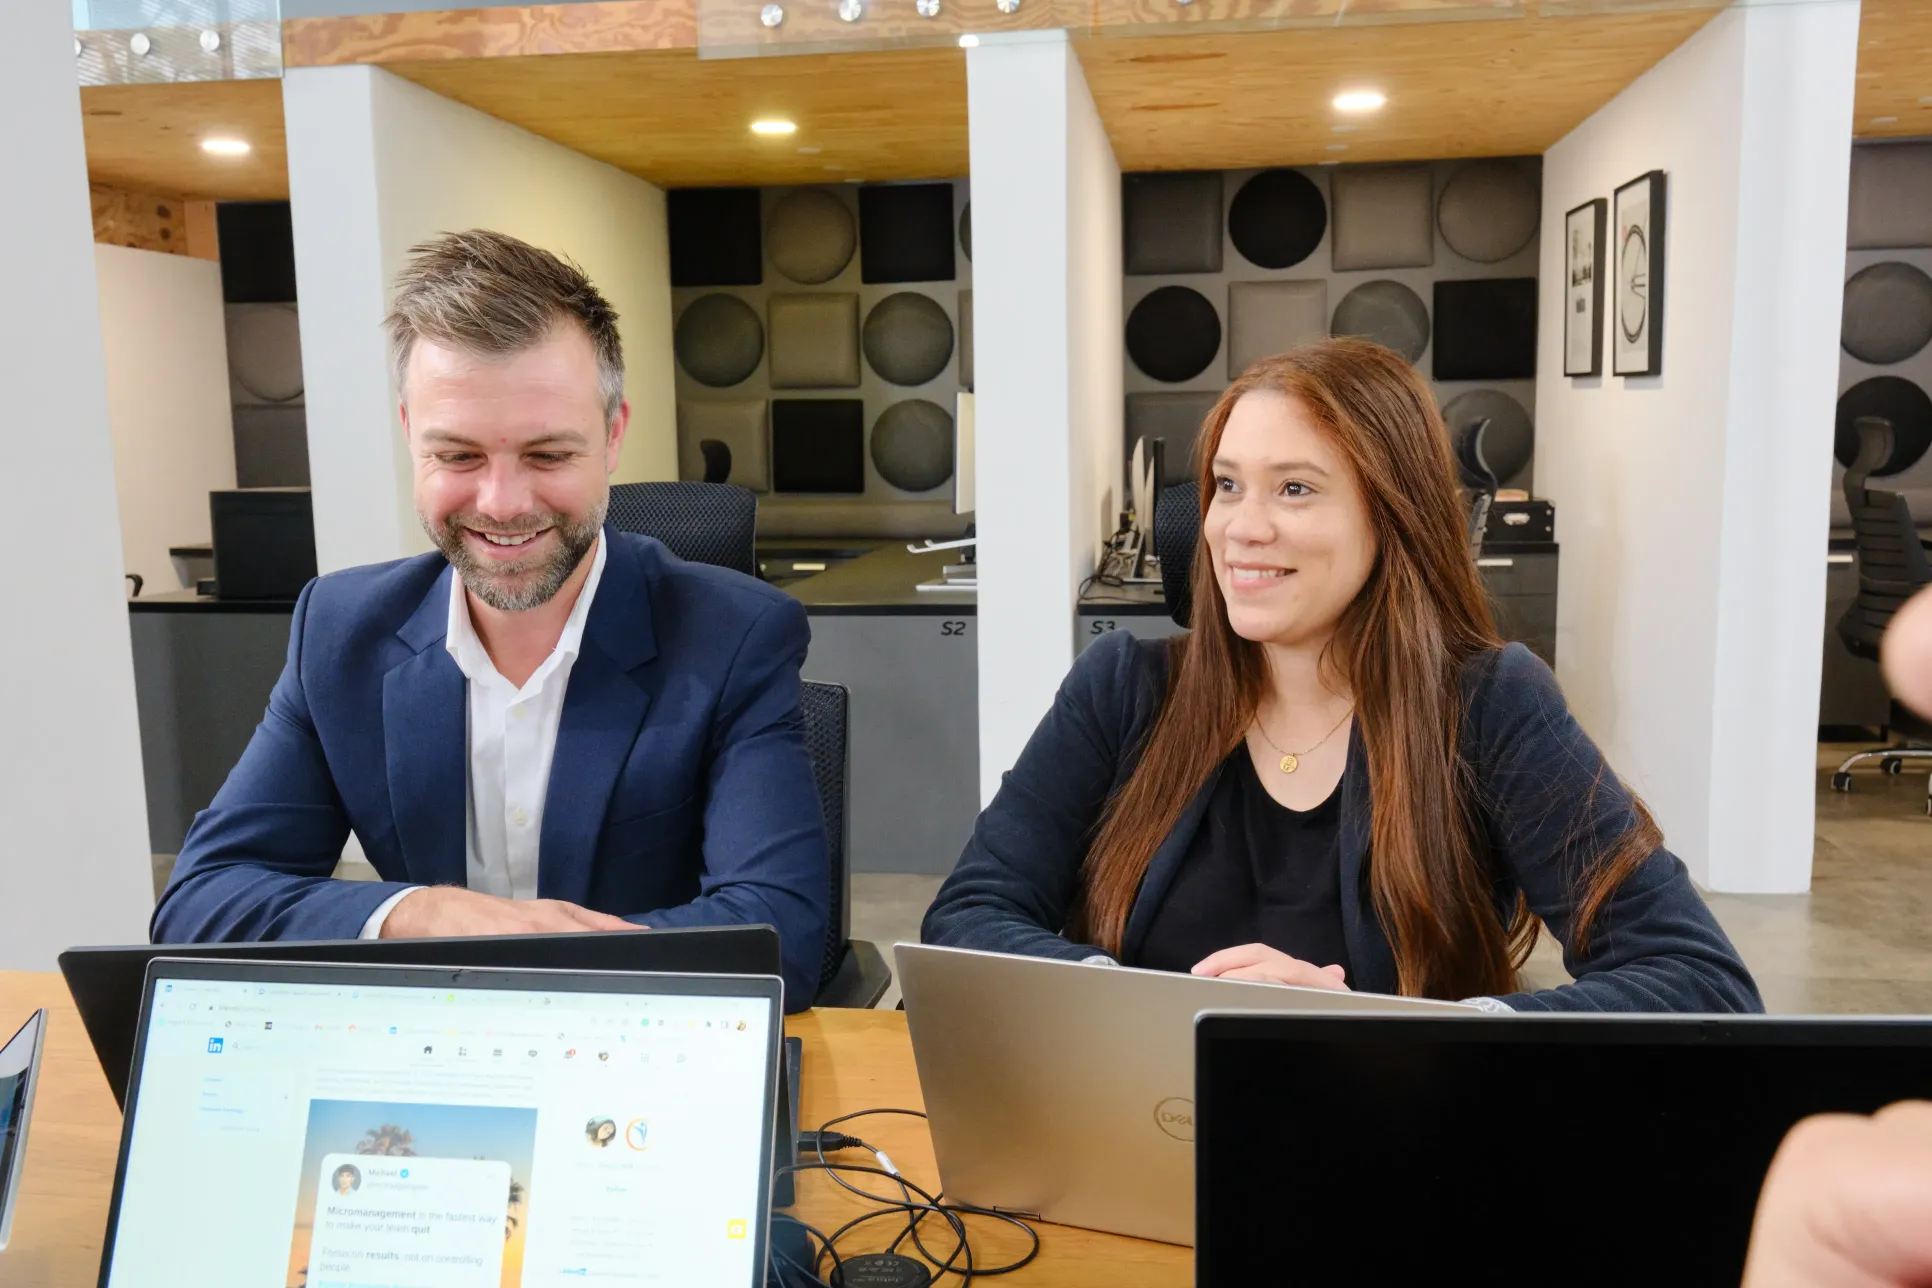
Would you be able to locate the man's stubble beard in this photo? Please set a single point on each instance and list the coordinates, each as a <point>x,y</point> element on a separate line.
<point>524,584</point>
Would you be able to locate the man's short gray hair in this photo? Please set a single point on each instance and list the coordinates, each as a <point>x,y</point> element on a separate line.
<point>489,294</point>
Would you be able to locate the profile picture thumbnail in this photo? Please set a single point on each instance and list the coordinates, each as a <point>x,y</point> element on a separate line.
<point>601,1132</point>
<point>347,1179</point>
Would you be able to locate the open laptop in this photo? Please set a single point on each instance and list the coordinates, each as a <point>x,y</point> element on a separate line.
<point>339,1126</point>
<point>1534,1149</point>
<point>19,1070</point>
<point>1065,1091</point>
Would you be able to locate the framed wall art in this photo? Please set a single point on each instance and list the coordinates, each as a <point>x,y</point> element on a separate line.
<point>1583,230</point>
<point>1637,341</point>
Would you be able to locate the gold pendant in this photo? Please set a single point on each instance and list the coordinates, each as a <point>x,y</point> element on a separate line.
<point>1290,763</point>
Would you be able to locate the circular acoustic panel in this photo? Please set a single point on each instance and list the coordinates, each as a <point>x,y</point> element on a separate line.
<point>811,236</point>
<point>908,338</point>
<point>1510,438</point>
<point>1888,313</point>
<point>1386,312</point>
<point>1897,400</point>
<point>719,340</point>
<point>1278,218</point>
<point>1489,211</point>
<point>1173,333</point>
<point>265,351</point>
<point>912,445</point>
<point>966,230</point>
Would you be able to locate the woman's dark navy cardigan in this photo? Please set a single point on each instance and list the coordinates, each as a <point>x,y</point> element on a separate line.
<point>1655,946</point>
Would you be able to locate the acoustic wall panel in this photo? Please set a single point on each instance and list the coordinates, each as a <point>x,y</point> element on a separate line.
<point>906,232</point>
<point>718,340</point>
<point>814,340</point>
<point>908,338</point>
<point>811,236</point>
<point>1485,329</point>
<point>1173,333</point>
<point>1266,318</point>
<point>1384,218</point>
<point>1277,218</point>
<point>818,444</point>
<point>1509,438</point>
<point>736,426</point>
<point>1489,210</point>
<point>1171,222</point>
<point>1891,196</point>
<point>1888,313</point>
<point>965,339</point>
<point>912,445</point>
<point>1897,400</point>
<point>714,236</point>
<point>1176,419</point>
<point>1388,313</point>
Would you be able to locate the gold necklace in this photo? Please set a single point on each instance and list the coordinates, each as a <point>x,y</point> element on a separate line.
<point>1291,760</point>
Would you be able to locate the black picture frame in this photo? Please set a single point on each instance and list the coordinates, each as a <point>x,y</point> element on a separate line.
<point>1637,308</point>
<point>1583,287</point>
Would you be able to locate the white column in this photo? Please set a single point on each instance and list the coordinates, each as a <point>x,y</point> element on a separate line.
<point>376,165</point>
<point>74,864</point>
<point>1693,506</point>
<point>1046,331</point>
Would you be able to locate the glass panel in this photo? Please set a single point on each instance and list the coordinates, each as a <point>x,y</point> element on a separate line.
<point>121,42</point>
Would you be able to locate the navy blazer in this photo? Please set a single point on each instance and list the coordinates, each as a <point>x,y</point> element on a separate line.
<point>681,793</point>
<point>1655,945</point>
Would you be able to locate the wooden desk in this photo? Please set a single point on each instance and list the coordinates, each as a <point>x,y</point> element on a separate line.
<point>853,1060</point>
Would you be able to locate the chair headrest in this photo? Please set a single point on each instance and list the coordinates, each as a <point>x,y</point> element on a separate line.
<point>1474,465</point>
<point>1177,528</point>
<point>1875,441</point>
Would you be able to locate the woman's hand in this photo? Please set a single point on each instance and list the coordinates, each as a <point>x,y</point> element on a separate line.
<point>1265,965</point>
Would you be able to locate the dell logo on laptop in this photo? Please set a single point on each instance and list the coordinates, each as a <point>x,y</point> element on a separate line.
<point>1175,1116</point>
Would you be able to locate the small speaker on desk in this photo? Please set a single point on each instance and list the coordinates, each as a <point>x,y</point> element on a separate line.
<point>264,540</point>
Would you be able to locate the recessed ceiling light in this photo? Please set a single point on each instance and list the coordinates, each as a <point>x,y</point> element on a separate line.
<point>1360,100</point>
<point>225,147</point>
<point>773,127</point>
<point>1338,147</point>
<point>1884,120</point>
<point>969,41</point>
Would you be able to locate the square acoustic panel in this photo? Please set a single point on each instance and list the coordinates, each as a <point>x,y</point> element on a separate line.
<point>906,232</point>
<point>715,236</point>
<point>1266,318</point>
<point>966,340</point>
<point>1891,196</point>
<point>813,340</point>
<point>1486,329</point>
<point>738,427</point>
<point>1171,222</point>
<point>818,445</point>
<point>1384,217</point>
<point>1173,417</point>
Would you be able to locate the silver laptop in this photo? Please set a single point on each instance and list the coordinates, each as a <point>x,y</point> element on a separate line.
<point>424,1127</point>
<point>19,1070</point>
<point>1065,1091</point>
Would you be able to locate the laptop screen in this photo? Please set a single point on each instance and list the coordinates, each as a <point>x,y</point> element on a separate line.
<point>1575,1150</point>
<point>350,1135</point>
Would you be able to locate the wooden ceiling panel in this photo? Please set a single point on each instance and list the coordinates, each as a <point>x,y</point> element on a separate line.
<point>1455,89</point>
<point>148,138</point>
<point>1894,70</point>
<point>683,121</point>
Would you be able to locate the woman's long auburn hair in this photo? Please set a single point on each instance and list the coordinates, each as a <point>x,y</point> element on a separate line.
<point>1401,646</point>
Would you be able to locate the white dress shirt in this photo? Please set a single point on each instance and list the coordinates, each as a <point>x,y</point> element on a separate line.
<point>512,740</point>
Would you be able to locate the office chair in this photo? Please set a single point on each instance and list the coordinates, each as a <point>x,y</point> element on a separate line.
<point>853,972</point>
<point>714,523</point>
<point>1892,567</point>
<point>1177,527</point>
<point>1479,480</point>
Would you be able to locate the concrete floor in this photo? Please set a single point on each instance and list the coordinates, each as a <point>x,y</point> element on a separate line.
<point>1859,943</point>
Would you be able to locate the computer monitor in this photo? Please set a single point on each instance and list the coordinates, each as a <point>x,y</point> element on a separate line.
<point>19,1070</point>
<point>1532,1149</point>
<point>965,446</point>
<point>349,1126</point>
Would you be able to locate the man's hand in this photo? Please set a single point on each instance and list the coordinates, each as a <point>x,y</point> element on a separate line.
<point>1265,965</point>
<point>1848,1204</point>
<point>436,912</point>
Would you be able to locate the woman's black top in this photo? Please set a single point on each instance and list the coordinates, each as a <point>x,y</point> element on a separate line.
<point>1257,872</point>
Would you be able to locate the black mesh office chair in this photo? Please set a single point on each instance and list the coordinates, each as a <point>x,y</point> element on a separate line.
<point>714,523</point>
<point>853,972</point>
<point>1892,567</point>
<point>1177,527</point>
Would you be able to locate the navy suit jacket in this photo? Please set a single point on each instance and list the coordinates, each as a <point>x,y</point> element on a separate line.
<point>1543,791</point>
<point>681,793</point>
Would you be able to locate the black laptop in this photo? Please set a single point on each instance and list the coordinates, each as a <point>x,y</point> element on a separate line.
<point>106,982</point>
<point>1535,1149</point>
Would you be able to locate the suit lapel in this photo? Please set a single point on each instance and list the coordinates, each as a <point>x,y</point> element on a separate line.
<point>604,707</point>
<point>425,711</point>
<point>1162,867</point>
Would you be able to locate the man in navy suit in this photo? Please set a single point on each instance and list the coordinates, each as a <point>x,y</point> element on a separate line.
<point>545,726</point>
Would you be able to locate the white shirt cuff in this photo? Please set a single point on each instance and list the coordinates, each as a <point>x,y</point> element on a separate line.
<point>372,928</point>
<point>1495,1006</point>
<point>1098,959</point>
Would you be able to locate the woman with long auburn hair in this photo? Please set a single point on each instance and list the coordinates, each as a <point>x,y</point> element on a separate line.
<point>1341,777</point>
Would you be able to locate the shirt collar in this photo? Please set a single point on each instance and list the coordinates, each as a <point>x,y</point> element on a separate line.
<point>461,640</point>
